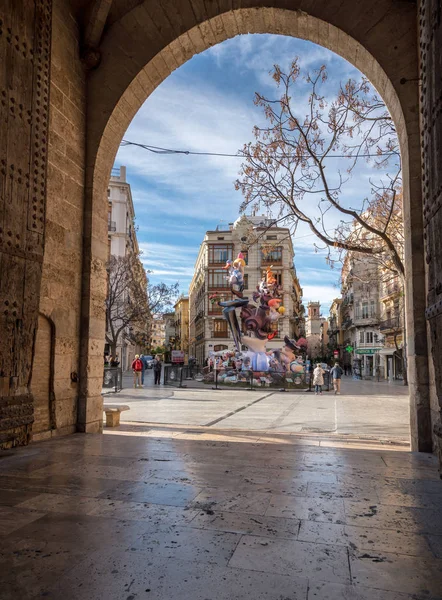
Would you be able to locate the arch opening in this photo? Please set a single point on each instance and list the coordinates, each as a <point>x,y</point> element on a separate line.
<point>107,131</point>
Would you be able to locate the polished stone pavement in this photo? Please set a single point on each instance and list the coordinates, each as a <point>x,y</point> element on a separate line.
<point>170,512</point>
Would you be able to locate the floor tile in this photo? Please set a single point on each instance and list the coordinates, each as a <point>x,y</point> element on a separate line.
<point>272,527</point>
<point>403,518</point>
<point>74,505</point>
<point>218,499</point>
<point>12,497</point>
<point>337,591</point>
<point>435,542</point>
<point>169,493</point>
<point>314,509</point>
<point>339,490</point>
<point>363,538</point>
<point>29,566</point>
<point>13,518</point>
<point>189,544</point>
<point>396,572</point>
<point>297,559</point>
<point>139,575</point>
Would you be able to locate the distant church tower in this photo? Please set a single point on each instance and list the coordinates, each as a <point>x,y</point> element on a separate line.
<point>313,321</point>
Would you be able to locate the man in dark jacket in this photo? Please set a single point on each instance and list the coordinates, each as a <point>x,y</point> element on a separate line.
<point>336,374</point>
<point>157,369</point>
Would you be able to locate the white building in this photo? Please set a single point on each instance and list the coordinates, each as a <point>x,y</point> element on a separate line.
<point>360,315</point>
<point>271,246</point>
<point>122,239</point>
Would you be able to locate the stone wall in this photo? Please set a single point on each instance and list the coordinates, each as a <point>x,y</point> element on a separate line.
<point>25,43</point>
<point>61,282</point>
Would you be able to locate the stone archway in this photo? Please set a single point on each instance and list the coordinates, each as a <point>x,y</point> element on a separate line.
<point>144,45</point>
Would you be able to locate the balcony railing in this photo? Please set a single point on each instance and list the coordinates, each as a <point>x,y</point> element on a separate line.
<point>366,320</point>
<point>347,323</point>
<point>220,334</point>
<point>389,290</point>
<point>111,226</point>
<point>392,323</point>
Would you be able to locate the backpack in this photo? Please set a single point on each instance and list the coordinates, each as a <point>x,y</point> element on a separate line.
<point>138,365</point>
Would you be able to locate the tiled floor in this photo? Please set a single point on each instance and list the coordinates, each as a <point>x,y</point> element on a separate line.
<point>200,514</point>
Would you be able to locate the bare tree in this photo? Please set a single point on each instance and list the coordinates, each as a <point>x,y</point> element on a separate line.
<point>288,166</point>
<point>126,302</point>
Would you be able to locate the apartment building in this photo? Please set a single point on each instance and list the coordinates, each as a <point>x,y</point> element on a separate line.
<point>158,332</point>
<point>262,244</point>
<point>122,239</point>
<point>360,316</point>
<point>391,326</point>
<point>182,326</point>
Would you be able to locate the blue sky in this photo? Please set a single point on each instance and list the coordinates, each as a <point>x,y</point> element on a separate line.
<point>207,105</point>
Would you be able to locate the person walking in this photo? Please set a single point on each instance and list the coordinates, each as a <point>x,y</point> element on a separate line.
<point>137,367</point>
<point>143,370</point>
<point>157,369</point>
<point>318,379</point>
<point>336,374</point>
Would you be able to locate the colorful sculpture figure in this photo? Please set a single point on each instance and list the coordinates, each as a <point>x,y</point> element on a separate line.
<point>236,275</point>
<point>257,324</point>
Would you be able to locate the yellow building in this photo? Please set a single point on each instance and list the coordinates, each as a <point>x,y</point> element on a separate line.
<point>182,326</point>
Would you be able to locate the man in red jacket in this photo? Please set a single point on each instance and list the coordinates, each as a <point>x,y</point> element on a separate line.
<point>137,367</point>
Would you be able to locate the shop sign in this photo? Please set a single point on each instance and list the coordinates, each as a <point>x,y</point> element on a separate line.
<point>367,350</point>
<point>177,356</point>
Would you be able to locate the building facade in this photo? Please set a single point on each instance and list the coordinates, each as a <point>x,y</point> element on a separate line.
<point>391,326</point>
<point>122,240</point>
<point>182,326</point>
<point>362,342</point>
<point>158,332</point>
<point>263,245</point>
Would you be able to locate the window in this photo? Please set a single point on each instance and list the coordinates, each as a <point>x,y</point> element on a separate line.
<point>368,337</point>
<point>246,281</point>
<point>215,309</point>
<point>361,337</point>
<point>220,253</point>
<point>220,328</point>
<point>278,277</point>
<point>272,256</point>
<point>365,310</point>
<point>220,347</point>
<point>217,279</point>
<point>245,254</point>
<point>372,308</point>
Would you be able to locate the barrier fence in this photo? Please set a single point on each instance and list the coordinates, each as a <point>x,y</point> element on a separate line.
<point>113,379</point>
<point>194,376</point>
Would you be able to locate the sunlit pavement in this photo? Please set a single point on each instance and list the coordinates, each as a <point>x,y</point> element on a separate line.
<point>364,408</point>
<point>171,512</point>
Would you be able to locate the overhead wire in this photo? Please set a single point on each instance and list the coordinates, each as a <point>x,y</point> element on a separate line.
<point>160,150</point>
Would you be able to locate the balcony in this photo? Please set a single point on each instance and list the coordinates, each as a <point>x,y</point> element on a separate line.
<point>347,323</point>
<point>221,334</point>
<point>389,324</point>
<point>111,226</point>
<point>390,290</point>
<point>368,320</point>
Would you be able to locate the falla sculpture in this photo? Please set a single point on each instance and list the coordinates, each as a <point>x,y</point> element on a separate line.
<point>257,324</point>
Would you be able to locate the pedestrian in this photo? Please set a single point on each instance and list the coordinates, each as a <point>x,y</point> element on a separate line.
<point>336,374</point>
<point>157,369</point>
<point>114,361</point>
<point>137,367</point>
<point>318,379</point>
<point>143,369</point>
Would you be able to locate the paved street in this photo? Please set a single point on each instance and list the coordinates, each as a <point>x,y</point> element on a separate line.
<point>365,408</point>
